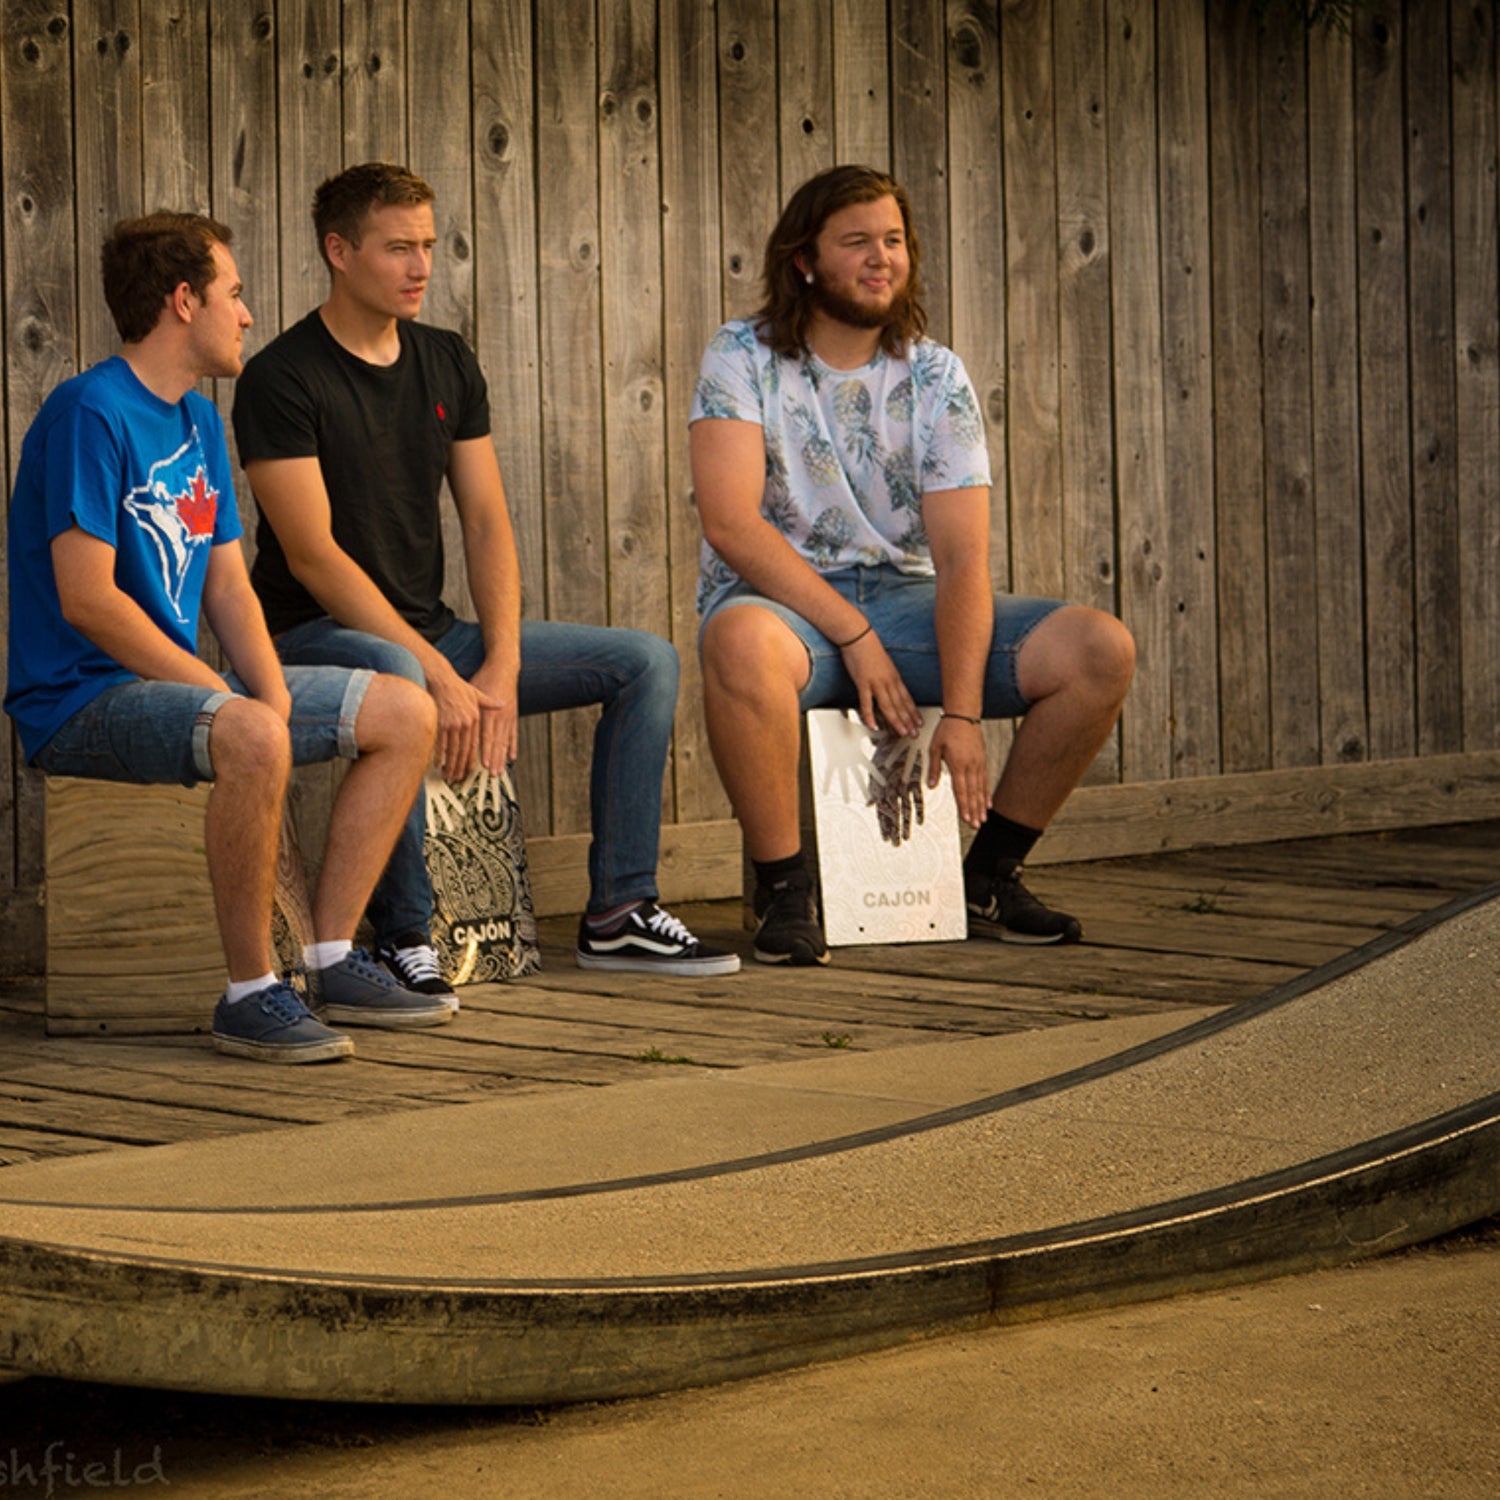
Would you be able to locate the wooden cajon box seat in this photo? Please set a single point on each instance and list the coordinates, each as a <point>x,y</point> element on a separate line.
<point>132,945</point>
<point>132,942</point>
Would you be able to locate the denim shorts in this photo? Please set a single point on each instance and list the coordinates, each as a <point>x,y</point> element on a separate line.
<point>157,732</point>
<point>903,609</point>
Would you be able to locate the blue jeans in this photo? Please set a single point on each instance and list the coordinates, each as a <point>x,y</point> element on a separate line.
<point>903,610</point>
<point>632,673</point>
<point>157,732</point>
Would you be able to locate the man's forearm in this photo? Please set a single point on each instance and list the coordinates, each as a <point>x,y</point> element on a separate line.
<point>120,628</point>
<point>349,595</point>
<point>965,623</point>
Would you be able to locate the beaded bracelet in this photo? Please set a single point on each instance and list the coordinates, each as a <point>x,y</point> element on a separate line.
<point>964,718</point>
<point>853,641</point>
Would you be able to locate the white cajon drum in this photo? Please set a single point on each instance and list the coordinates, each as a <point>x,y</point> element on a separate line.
<point>889,856</point>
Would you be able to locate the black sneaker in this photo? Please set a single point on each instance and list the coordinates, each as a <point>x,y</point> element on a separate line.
<point>790,931</point>
<point>1001,907</point>
<point>648,940</point>
<point>414,966</point>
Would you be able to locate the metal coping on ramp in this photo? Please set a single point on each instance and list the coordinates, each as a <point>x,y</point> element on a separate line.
<point>1295,1130</point>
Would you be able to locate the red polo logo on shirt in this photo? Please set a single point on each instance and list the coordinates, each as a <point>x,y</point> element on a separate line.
<point>441,414</point>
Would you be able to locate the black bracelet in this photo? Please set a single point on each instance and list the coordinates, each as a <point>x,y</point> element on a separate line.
<point>855,640</point>
<point>977,723</point>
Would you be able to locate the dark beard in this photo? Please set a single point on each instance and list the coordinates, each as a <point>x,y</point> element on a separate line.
<point>833,304</point>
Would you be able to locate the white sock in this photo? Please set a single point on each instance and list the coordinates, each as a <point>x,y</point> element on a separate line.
<point>241,989</point>
<point>326,955</point>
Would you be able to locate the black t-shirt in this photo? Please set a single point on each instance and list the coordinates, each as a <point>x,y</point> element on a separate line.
<point>381,435</point>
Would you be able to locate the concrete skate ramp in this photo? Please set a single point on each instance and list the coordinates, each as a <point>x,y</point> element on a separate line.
<point>638,1238</point>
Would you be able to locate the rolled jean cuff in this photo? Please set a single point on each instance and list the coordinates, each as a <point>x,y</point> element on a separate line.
<point>354,696</point>
<point>201,726</point>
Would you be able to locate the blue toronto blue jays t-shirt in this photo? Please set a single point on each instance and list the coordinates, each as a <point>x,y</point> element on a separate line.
<point>149,477</point>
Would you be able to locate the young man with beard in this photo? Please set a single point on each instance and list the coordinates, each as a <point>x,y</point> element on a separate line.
<point>122,528</point>
<point>347,425</point>
<point>842,478</point>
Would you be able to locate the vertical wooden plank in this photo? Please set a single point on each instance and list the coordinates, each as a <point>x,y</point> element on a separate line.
<point>505,265</point>
<point>1239,449</point>
<point>572,473</point>
<point>1291,565</point>
<point>631,294</point>
<point>374,83</point>
<point>1033,439</point>
<point>630,273</point>
<point>861,84</point>
<point>437,53</point>
<point>804,64</point>
<point>310,74</point>
<point>1187,375</point>
<point>1434,416</point>
<point>1145,730</point>
<point>977,224</point>
<point>243,84</point>
<point>977,228</point>
<point>40,324</point>
<point>437,64</point>
<point>750,193</point>
<point>1476,296</point>
<point>690,287</point>
<point>919,145</point>
<point>107,143</point>
<point>1334,350</point>
<point>1086,338</point>
<point>1385,399</point>
<point>174,107</point>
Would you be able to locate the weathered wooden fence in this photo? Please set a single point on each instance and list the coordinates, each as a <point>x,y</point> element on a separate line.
<point>1228,294</point>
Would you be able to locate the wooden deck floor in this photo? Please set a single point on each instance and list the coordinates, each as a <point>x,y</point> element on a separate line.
<point>1205,927</point>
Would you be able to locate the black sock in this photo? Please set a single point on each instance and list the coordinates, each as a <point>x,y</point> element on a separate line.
<point>789,871</point>
<point>999,842</point>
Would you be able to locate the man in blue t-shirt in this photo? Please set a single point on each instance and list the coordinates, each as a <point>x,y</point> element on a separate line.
<point>842,479</point>
<point>123,529</point>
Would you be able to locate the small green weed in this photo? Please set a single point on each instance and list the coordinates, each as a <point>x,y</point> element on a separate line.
<point>1202,905</point>
<point>656,1055</point>
<point>836,1038</point>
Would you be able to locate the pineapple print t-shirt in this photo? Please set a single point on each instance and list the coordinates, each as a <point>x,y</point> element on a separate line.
<point>849,453</point>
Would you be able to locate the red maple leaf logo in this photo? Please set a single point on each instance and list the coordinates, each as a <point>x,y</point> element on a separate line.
<point>198,507</point>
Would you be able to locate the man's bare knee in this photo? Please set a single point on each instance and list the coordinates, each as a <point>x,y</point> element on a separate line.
<point>249,740</point>
<point>1078,648</point>
<point>396,713</point>
<point>747,649</point>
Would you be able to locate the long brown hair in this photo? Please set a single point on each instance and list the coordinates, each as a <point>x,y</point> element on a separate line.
<point>783,320</point>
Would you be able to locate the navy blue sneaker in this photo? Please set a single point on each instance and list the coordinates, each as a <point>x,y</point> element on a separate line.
<point>273,1025</point>
<point>359,992</point>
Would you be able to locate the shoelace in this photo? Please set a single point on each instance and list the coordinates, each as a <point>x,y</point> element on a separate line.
<point>419,962</point>
<point>666,925</point>
<point>280,1001</point>
<point>363,964</point>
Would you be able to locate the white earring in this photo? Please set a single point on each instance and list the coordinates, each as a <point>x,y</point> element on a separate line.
<point>808,277</point>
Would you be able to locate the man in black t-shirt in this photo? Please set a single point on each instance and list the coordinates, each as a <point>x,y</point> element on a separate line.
<point>347,425</point>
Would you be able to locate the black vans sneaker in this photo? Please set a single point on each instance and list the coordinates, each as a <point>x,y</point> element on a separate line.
<point>413,963</point>
<point>1001,907</point>
<point>647,940</point>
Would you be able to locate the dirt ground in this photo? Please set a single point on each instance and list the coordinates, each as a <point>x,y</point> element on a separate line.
<point>1379,1380</point>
